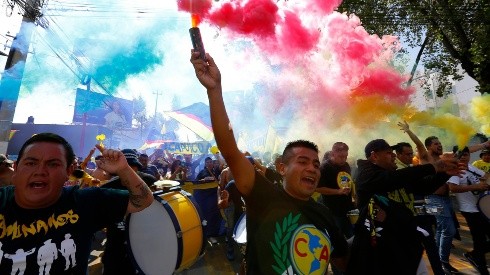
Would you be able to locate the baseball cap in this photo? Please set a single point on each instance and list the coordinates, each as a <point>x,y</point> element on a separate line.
<point>459,152</point>
<point>132,158</point>
<point>376,145</point>
<point>4,159</point>
<point>484,151</point>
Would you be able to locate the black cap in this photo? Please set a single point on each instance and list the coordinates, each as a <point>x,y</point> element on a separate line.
<point>132,158</point>
<point>459,153</point>
<point>376,146</point>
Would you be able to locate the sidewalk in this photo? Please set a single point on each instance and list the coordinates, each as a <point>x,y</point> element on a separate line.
<point>214,260</point>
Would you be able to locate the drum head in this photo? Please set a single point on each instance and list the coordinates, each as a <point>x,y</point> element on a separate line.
<point>152,240</point>
<point>240,231</point>
<point>484,205</point>
<point>166,183</point>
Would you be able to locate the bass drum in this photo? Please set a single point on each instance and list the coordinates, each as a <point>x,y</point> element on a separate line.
<point>484,203</point>
<point>167,236</point>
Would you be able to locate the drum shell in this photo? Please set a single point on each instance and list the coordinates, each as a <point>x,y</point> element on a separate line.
<point>191,231</point>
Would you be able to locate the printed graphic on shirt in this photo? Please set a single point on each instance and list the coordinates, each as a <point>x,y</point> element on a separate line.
<point>15,230</point>
<point>300,250</point>
<point>47,253</point>
<point>68,249</point>
<point>482,165</point>
<point>344,180</point>
<point>401,196</point>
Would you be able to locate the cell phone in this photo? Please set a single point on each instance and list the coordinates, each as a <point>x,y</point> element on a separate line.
<point>197,42</point>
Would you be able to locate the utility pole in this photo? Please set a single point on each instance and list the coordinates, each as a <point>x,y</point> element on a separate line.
<point>14,69</point>
<point>156,102</point>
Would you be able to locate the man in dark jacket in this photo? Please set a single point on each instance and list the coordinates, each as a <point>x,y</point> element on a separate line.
<point>387,230</point>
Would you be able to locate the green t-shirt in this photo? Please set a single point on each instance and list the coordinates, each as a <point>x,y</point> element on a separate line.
<point>56,239</point>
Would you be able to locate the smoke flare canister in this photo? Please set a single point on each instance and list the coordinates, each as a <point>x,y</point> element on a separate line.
<point>197,42</point>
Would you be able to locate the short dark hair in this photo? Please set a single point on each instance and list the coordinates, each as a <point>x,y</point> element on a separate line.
<point>143,155</point>
<point>399,147</point>
<point>287,153</point>
<point>428,141</point>
<point>340,146</point>
<point>51,138</point>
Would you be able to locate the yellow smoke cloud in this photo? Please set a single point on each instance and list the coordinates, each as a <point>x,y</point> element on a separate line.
<point>367,111</point>
<point>461,129</point>
<point>480,111</point>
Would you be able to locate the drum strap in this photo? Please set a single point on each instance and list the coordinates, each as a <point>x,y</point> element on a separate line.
<point>469,182</point>
<point>474,174</point>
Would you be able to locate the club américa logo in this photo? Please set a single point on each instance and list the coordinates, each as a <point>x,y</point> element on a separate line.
<point>310,250</point>
<point>344,180</point>
<point>304,249</point>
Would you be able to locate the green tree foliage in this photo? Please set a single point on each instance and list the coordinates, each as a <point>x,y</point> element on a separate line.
<point>448,32</point>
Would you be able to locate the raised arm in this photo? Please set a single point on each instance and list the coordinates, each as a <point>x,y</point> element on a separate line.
<point>84,163</point>
<point>421,150</point>
<point>479,147</point>
<point>114,162</point>
<point>209,76</point>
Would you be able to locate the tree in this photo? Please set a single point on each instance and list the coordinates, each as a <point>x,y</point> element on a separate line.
<point>449,33</point>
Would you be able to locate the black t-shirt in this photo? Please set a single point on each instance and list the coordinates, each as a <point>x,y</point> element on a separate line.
<point>287,234</point>
<point>273,176</point>
<point>56,239</point>
<point>336,177</point>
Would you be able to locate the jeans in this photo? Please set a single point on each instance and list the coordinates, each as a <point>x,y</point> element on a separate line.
<point>426,222</point>
<point>445,229</point>
<point>230,226</point>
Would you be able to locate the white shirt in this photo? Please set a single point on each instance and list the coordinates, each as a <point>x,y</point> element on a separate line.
<point>467,200</point>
